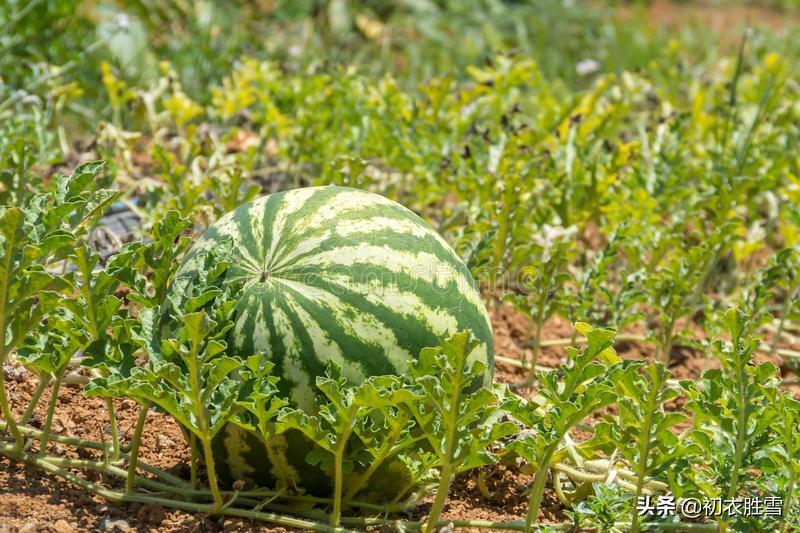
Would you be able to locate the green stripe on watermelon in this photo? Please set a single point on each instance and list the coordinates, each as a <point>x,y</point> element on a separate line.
<point>243,456</point>
<point>371,355</point>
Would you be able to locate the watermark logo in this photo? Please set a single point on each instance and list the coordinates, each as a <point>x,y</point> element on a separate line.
<point>665,505</point>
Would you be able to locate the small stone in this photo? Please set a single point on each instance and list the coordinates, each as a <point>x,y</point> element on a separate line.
<point>15,373</point>
<point>62,526</point>
<point>127,404</point>
<point>106,524</point>
<point>29,528</point>
<point>165,442</point>
<point>449,528</point>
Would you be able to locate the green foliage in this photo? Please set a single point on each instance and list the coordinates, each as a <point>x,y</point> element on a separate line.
<point>603,508</point>
<point>34,238</point>
<point>459,425</point>
<point>643,433</point>
<point>433,419</point>
<point>782,452</point>
<point>188,370</point>
<point>733,415</point>
<point>351,415</point>
<point>587,385</point>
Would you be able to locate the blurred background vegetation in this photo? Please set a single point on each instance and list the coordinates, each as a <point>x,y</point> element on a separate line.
<point>47,44</point>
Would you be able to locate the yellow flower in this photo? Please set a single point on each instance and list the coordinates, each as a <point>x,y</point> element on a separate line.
<point>772,62</point>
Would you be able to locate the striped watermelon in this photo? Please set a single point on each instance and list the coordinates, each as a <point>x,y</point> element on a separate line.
<point>333,274</point>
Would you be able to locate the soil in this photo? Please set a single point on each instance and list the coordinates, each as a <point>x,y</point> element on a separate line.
<point>725,20</point>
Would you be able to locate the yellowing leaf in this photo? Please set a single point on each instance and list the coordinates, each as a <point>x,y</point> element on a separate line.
<point>371,28</point>
<point>182,108</point>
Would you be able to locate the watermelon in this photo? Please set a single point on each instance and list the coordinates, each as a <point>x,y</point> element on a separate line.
<point>332,274</point>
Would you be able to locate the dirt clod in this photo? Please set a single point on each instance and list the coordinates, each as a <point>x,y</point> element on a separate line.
<point>62,526</point>
<point>15,373</point>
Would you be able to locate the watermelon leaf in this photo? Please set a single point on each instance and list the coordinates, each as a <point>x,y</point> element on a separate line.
<point>34,237</point>
<point>733,411</point>
<point>353,422</point>
<point>189,372</point>
<point>457,422</point>
<point>641,432</point>
<point>587,384</point>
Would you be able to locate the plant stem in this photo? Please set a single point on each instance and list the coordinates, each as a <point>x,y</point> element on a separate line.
<point>539,480</point>
<point>264,493</point>
<point>112,420</point>
<point>44,381</point>
<point>450,442</point>
<point>94,330</point>
<point>135,443</point>
<point>202,423</point>
<point>96,445</point>
<point>101,466</point>
<point>742,400</point>
<point>622,477</point>
<point>338,458</point>
<point>787,503</point>
<point>193,461</point>
<point>741,432</point>
<point>441,497</point>
<point>536,344</point>
<point>667,340</point>
<point>559,490</point>
<point>51,407</point>
<point>254,497</point>
<point>118,497</point>
<point>5,407</point>
<point>211,472</point>
<point>11,425</point>
<point>291,522</point>
<point>644,445</point>
<point>520,364</point>
<point>519,525</point>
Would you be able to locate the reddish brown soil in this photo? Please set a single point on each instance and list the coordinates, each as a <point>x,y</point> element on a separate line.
<point>726,20</point>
